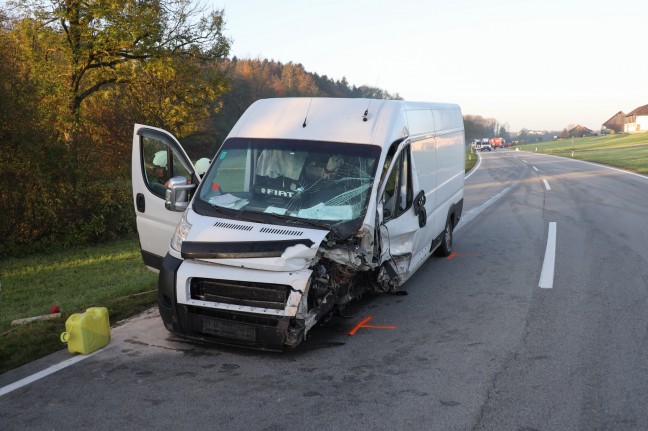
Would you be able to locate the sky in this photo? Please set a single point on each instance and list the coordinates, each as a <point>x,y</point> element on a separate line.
<point>539,65</point>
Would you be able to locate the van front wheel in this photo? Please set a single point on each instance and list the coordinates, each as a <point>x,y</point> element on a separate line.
<point>445,249</point>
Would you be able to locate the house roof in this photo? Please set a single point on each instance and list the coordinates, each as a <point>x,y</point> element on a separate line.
<point>614,116</point>
<point>642,110</point>
<point>581,128</point>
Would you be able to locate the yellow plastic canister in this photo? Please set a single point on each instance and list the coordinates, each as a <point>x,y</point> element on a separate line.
<point>88,331</point>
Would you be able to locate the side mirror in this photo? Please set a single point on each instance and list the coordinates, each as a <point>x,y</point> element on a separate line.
<point>177,194</point>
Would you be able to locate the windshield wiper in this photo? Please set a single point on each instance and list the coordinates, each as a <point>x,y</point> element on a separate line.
<point>236,213</point>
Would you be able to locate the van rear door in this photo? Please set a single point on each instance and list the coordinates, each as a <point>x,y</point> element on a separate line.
<point>157,156</point>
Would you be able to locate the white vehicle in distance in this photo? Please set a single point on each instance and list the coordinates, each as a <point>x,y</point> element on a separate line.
<point>486,145</point>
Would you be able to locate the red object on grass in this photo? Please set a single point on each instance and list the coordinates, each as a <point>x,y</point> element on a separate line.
<point>54,309</point>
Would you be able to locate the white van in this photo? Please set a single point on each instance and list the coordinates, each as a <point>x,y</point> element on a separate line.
<point>308,204</point>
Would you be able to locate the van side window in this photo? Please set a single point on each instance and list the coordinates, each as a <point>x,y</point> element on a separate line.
<point>398,189</point>
<point>160,164</point>
<point>405,183</point>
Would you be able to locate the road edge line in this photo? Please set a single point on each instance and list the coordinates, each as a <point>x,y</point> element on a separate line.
<point>44,373</point>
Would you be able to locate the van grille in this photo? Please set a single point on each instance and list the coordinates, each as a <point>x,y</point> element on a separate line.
<point>261,295</point>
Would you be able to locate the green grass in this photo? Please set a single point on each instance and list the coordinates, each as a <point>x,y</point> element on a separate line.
<point>628,152</point>
<point>471,159</point>
<point>108,275</point>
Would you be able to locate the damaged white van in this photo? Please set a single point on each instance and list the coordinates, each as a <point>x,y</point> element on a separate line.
<point>308,204</point>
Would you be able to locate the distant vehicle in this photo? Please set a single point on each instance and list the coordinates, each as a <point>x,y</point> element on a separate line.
<point>497,143</point>
<point>476,144</point>
<point>486,146</point>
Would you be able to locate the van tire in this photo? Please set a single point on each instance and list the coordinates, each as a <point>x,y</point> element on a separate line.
<point>445,249</point>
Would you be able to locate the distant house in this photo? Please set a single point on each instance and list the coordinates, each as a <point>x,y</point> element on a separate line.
<point>579,131</point>
<point>637,120</point>
<point>615,123</point>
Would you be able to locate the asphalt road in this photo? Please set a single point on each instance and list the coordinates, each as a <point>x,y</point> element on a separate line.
<point>476,344</point>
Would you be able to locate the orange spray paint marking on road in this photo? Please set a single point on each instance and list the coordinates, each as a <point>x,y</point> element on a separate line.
<point>455,254</point>
<point>363,324</point>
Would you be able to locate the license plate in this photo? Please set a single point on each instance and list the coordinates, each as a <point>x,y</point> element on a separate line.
<point>233,330</point>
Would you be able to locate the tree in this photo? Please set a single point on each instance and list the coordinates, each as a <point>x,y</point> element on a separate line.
<point>74,76</point>
<point>478,127</point>
<point>101,43</point>
<point>503,132</point>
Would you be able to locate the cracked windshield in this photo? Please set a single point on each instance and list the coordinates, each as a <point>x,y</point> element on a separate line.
<point>320,181</point>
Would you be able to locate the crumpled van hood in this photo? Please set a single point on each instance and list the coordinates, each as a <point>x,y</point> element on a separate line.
<point>251,245</point>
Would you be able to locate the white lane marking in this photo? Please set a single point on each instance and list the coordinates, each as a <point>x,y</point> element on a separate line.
<point>546,184</point>
<point>524,161</point>
<point>46,372</point>
<point>548,266</point>
<point>474,169</point>
<point>473,213</point>
<point>535,169</point>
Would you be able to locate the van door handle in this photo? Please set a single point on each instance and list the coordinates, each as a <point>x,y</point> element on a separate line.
<point>140,203</point>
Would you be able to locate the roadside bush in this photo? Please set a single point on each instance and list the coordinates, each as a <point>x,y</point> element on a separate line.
<point>105,213</point>
<point>42,210</point>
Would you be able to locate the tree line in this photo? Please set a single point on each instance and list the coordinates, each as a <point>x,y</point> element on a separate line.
<point>478,127</point>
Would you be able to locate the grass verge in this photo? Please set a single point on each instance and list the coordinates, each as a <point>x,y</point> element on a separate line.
<point>108,275</point>
<point>628,151</point>
<point>470,159</point>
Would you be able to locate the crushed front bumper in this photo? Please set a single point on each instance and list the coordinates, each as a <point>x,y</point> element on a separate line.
<point>227,326</point>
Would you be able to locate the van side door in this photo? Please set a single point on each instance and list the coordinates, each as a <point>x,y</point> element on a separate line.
<point>157,156</point>
<point>399,223</point>
<point>407,214</point>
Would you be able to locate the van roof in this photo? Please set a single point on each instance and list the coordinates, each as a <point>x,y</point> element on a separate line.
<point>330,119</point>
